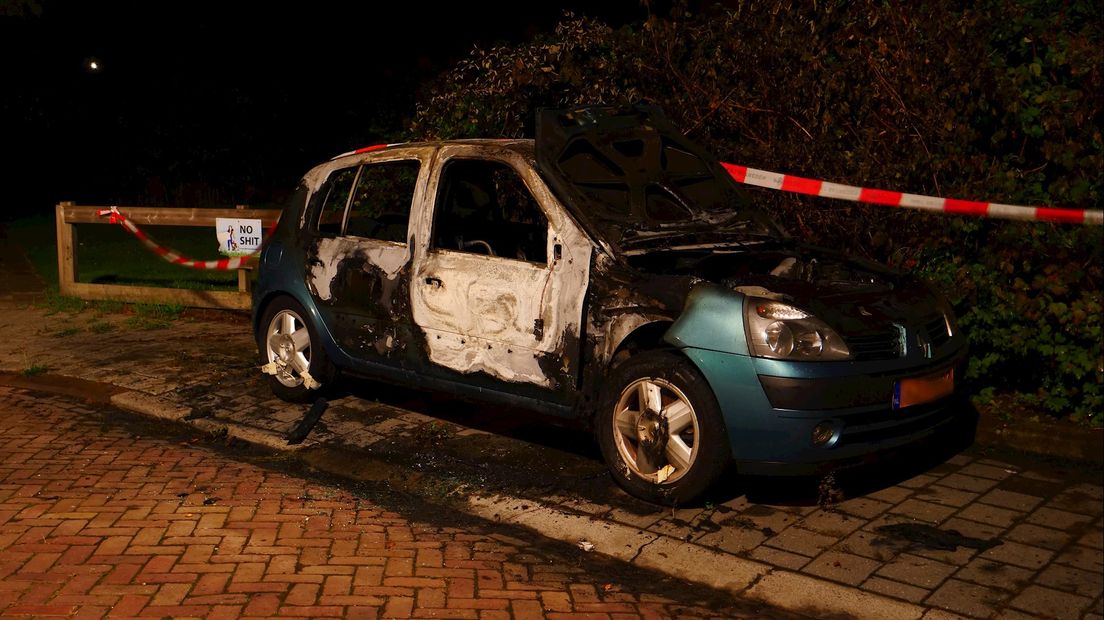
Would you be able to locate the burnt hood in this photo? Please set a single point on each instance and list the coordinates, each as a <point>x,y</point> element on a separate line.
<point>630,177</point>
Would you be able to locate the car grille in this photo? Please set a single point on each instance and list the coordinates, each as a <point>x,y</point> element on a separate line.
<point>882,425</point>
<point>882,346</point>
<point>886,345</point>
<point>936,330</point>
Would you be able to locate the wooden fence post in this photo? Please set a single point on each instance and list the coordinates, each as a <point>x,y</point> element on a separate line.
<point>243,273</point>
<point>66,250</point>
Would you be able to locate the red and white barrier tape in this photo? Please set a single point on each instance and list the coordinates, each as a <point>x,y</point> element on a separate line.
<point>225,264</point>
<point>813,187</point>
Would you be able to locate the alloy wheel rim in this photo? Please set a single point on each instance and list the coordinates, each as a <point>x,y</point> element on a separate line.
<point>288,345</point>
<point>655,429</point>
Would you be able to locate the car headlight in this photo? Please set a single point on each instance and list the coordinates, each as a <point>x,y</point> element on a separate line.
<point>782,331</point>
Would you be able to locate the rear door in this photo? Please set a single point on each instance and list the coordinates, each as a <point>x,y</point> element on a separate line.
<point>360,257</point>
<point>499,287</point>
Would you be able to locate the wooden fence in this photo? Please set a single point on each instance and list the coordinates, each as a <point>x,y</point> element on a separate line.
<point>68,214</point>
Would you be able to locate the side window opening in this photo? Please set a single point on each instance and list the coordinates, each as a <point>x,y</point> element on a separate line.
<point>330,200</point>
<point>484,207</point>
<point>380,208</point>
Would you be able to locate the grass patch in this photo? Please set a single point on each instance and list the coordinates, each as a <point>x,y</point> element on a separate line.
<point>154,316</point>
<point>35,369</point>
<point>107,307</point>
<point>101,327</point>
<point>69,331</point>
<point>56,303</point>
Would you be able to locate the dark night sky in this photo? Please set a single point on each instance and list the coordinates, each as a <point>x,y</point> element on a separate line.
<point>236,94</point>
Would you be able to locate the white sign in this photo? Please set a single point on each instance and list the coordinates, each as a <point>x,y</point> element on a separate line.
<point>238,237</point>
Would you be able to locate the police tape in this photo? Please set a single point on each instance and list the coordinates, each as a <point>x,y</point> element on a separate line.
<point>224,264</point>
<point>813,187</point>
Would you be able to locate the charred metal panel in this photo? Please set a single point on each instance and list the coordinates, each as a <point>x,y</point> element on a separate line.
<point>362,286</point>
<point>620,301</point>
<point>630,174</point>
<point>514,320</point>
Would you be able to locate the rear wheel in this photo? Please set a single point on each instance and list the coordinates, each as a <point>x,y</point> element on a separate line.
<point>295,362</point>
<point>660,429</point>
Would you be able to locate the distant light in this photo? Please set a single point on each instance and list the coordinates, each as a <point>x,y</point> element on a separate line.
<point>93,65</point>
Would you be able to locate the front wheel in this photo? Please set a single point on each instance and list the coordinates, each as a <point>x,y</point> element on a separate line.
<point>661,430</point>
<point>295,362</point>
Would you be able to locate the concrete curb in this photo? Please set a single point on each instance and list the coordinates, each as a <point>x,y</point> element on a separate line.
<point>691,562</point>
<point>144,404</point>
<point>139,402</point>
<point>1042,439</point>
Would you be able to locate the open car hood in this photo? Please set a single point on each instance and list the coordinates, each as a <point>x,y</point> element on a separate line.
<point>631,178</point>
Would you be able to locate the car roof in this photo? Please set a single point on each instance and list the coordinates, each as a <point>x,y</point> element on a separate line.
<point>521,145</point>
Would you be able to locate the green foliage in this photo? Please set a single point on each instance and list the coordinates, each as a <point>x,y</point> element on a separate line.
<point>999,100</point>
<point>35,369</point>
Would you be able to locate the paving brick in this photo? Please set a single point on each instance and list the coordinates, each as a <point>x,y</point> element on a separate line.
<point>832,523</point>
<point>1019,555</point>
<point>777,557</point>
<point>802,541</point>
<point>1051,603</point>
<point>864,507</point>
<point>843,567</point>
<point>1013,501</point>
<point>1069,579</point>
<point>995,574</point>
<point>916,570</point>
<point>967,598</point>
<point>991,515</point>
<point>945,496</point>
<point>1081,557</point>
<point>895,589</point>
<point>961,481</point>
<point>869,545</point>
<point>1038,536</point>
<point>923,511</point>
<point>985,471</point>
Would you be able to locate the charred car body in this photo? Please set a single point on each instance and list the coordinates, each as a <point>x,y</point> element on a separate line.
<point>610,272</point>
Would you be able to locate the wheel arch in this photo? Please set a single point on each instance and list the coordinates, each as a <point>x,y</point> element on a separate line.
<point>646,336</point>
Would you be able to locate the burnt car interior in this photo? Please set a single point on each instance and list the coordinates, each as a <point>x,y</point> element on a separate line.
<point>329,203</point>
<point>380,208</point>
<point>484,207</point>
<point>380,205</point>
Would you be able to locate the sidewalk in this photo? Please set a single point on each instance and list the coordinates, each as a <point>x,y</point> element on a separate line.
<point>979,535</point>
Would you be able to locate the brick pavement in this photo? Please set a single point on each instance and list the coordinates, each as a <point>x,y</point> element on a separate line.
<point>97,522</point>
<point>980,535</point>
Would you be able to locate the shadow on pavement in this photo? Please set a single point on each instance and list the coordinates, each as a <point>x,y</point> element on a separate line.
<point>564,458</point>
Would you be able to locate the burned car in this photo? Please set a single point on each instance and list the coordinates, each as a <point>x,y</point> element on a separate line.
<point>609,272</point>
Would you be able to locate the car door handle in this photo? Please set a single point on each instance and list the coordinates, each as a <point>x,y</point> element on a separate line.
<point>434,280</point>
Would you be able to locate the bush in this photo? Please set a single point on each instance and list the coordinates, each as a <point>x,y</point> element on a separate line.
<point>997,100</point>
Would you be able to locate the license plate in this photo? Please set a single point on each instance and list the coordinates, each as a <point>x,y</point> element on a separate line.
<point>919,390</point>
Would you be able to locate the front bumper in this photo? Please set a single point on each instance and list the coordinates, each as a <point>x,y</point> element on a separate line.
<point>771,408</point>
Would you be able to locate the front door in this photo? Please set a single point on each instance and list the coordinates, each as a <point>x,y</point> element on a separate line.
<point>499,287</point>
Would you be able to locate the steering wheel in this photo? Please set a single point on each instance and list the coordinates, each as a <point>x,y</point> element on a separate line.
<point>477,243</point>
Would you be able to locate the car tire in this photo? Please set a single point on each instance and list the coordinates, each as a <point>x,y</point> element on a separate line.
<point>670,456</point>
<point>279,341</point>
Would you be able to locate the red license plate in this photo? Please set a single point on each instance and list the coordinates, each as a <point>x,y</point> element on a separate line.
<point>919,390</point>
